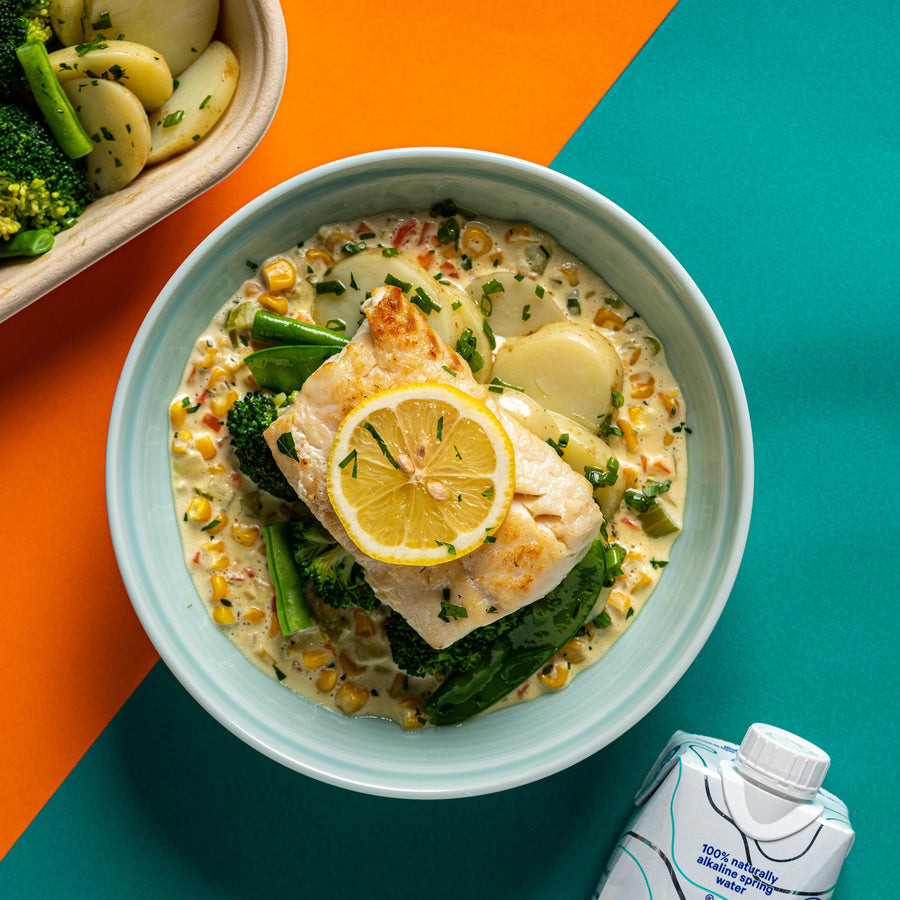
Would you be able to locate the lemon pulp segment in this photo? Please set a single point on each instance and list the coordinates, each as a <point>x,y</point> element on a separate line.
<point>421,474</point>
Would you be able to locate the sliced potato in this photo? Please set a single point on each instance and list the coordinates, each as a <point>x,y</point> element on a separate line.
<point>177,29</point>
<point>585,449</point>
<point>116,122</point>
<point>65,19</point>
<point>142,70</point>
<point>449,310</point>
<point>568,367</point>
<point>580,447</point>
<point>513,303</point>
<point>204,91</point>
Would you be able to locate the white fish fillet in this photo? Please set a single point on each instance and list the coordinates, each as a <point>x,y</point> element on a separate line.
<point>550,525</point>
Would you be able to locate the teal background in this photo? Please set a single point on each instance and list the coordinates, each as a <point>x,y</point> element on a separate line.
<point>760,143</point>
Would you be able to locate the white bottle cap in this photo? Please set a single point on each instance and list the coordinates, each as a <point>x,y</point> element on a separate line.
<point>779,760</point>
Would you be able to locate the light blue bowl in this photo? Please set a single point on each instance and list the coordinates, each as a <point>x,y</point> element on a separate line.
<point>517,745</point>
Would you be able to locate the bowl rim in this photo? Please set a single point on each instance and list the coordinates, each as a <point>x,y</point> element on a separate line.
<point>587,743</point>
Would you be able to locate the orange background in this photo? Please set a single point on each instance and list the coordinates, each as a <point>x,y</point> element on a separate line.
<point>71,649</point>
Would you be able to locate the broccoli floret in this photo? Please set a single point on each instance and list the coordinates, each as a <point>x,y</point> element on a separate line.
<point>21,21</point>
<point>40,187</point>
<point>336,576</point>
<point>246,421</point>
<point>416,657</point>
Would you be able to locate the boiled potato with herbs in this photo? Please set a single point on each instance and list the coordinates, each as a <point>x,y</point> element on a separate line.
<point>178,29</point>
<point>203,93</point>
<point>65,19</point>
<point>449,310</point>
<point>116,122</point>
<point>568,367</point>
<point>513,304</point>
<point>141,69</point>
<point>579,447</point>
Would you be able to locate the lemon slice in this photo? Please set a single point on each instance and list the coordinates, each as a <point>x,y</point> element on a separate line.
<point>421,474</point>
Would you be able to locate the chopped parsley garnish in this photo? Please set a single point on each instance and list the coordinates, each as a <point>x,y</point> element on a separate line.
<point>452,611</point>
<point>452,551</point>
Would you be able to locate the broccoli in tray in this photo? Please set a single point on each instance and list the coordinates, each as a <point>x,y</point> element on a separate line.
<point>43,176</point>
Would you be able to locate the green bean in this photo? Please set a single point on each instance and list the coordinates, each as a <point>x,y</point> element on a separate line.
<point>272,328</point>
<point>290,588</point>
<point>543,630</point>
<point>27,243</point>
<point>52,100</point>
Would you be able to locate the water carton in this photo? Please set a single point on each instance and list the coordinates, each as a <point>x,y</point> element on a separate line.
<point>716,820</point>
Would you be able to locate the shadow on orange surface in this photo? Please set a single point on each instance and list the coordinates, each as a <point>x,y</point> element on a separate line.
<point>72,650</point>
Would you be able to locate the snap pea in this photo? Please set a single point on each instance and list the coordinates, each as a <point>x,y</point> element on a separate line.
<point>542,630</point>
<point>284,369</point>
<point>272,328</point>
<point>290,589</point>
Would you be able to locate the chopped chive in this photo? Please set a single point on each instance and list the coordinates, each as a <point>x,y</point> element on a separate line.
<point>526,312</point>
<point>350,457</point>
<point>396,282</point>
<point>206,100</point>
<point>389,251</point>
<point>440,428</point>
<point>452,551</point>
<point>448,369</point>
<point>424,302</point>
<point>382,446</point>
<point>330,287</point>
<point>173,119</point>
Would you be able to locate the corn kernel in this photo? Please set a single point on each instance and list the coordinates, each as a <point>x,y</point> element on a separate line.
<point>199,510</point>
<point>363,624</point>
<point>274,627</point>
<point>570,270</point>
<point>619,601</point>
<point>279,274</point>
<point>575,651</point>
<point>414,721</point>
<point>669,403</point>
<point>628,434</point>
<point>219,587</point>
<point>327,680</point>
<point>181,442</point>
<point>177,413</point>
<point>274,303</point>
<point>554,675</point>
<point>398,685</point>
<point>223,615</point>
<point>221,403</point>
<point>315,254</point>
<point>634,355</point>
<point>255,615</point>
<point>245,535</point>
<point>205,446</point>
<point>643,580</point>
<point>630,476</point>
<point>218,524</point>
<point>642,385</point>
<point>219,561</point>
<point>668,439</point>
<point>608,318</point>
<point>209,356</point>
<point>315,658</point>
<point>636,415</point>
<point>266,657</point>
<point>521,230</point>
<point>215,376</point>
<point>351,697</point>
<point>337,239</point>
<point>350,666</point>
<point>476,241</point>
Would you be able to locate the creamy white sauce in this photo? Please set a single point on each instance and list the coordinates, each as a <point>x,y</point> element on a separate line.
<point>345,663</point>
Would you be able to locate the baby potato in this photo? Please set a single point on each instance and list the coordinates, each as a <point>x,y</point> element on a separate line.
<point>142,70</point>
<point>585,449</point>
<point>580,448</point>
<point>448,309</point>
<point>568,367</point>
<point>203,93</point>
<point>116,122</point>
<point>513,304</point>
<point>179,30</point>
<point>65,19</point>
